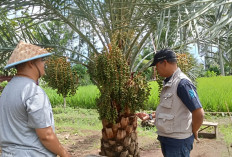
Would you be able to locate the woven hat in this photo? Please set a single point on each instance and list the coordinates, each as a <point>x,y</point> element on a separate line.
<point>25,52</point>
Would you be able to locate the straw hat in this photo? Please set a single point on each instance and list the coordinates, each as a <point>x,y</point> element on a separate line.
<point>25,52</point>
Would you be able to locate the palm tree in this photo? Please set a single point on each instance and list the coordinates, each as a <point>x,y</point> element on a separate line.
<point>214,30</point>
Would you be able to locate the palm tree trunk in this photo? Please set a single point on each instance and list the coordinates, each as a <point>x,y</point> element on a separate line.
<point>221,61</point>
<point>64,103</point>
<point>120,139</point>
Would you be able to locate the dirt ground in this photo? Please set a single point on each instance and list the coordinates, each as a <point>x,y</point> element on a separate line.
<point>88,146</point>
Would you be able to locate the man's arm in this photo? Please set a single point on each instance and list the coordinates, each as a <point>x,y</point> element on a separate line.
<point>186,91</point>
<point>197,120</point>
<point>50,141</point>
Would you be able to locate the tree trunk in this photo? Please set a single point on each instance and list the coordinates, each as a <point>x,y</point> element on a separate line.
<point>120,139</point>
<point>64,103</point>
<point>221,62</point>
<point>154,70</point>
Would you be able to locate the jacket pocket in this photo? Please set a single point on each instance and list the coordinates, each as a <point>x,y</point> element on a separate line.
<point>167,100</point>
<point>164,122</point>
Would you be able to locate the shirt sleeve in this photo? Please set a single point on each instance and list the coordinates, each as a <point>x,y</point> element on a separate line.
<point>186,91</point>
<point>39,111</point>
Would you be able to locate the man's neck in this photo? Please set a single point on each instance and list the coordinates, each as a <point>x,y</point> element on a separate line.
<point>28,75</point>
<point>168,78</point>
<point>171,71</point>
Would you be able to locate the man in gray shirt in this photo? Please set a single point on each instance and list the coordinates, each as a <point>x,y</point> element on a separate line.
<point>26,118</point>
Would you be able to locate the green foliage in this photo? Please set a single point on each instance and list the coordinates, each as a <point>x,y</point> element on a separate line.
<point>8,72</point>
<point>121,92</point>
<point>215,69</point>
<point>215,93</point>
<point>3,85</point>
<point>228,69</point>
<point>210,74</point>
<point>153,100</point>
<point>60,76</point>
<point>80,70</point>
<point>83,76</point>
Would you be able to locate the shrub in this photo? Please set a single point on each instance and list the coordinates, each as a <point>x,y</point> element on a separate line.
<point>3,85</point>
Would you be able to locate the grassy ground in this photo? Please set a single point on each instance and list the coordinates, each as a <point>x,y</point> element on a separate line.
<point>82,122</point>
<point>77,120</point>
<point>224,125</point>
<point>79,130</point>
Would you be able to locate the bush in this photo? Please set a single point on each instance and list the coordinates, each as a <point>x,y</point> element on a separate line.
<point>153,100</point>
<point>210,74</point>
<point>3,85</point>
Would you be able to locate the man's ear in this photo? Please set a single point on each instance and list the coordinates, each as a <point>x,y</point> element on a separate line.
<point>165,62</point>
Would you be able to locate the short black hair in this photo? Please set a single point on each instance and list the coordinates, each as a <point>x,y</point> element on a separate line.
<point>164,54</point>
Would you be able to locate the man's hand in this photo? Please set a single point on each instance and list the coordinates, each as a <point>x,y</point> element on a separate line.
<point>196,136</point>
<point>142,116</point>
<point>197,120</point>
<point>145,116</point>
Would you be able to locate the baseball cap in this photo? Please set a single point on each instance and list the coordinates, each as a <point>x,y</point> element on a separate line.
<point>164,54</point>
<point>25,52</point>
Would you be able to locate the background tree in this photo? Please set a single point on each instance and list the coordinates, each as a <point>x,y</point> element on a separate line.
<point>214,34</point>
<point>172,24</point>
<point>83,75</point>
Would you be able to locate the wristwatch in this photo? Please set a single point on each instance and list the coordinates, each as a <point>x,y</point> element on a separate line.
<point>150,116</point>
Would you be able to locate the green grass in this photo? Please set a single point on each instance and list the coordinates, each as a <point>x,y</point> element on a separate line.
<point>85,97</point>
<point>76,120</point>
<point>224,126</point>
<point>81,121</point>
<point>215,92</point>
<point>226,131</point>
<point>146,131</point>
<point>55,99</point>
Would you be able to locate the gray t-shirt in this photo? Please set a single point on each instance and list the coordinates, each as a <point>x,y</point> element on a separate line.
<point>24,106</point>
